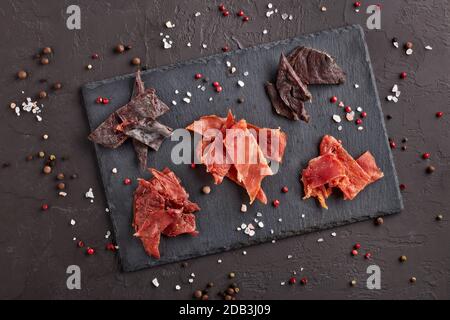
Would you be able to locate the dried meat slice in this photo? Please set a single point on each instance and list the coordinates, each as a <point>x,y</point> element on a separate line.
<point>320,176</point>
<point>358,179</point>
<point>315,67</point>
<point>253,167</point>
<point>290,93</point>
<point>106,134</point>
<point>272,142</point>
<point>147,131</point>
<point>161,206</point>
<point>369,165</point>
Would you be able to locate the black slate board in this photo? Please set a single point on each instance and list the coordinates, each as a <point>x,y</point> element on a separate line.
<point>220,214</point>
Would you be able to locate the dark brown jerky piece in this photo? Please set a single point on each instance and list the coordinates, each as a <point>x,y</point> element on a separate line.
<point>141,153</point>
<point>149,132</point>
<point>290,86</point>
<point>289,94</point>
<point>315,67</point>
<point>106,134</point>
<point>145,105</point>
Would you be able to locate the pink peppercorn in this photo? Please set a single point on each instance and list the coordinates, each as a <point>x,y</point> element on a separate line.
<point>426,156</point>
<point>240,13</point>
<point>403,75</point>
<point>219,89</point>
<point>105,101</point>
<point>439,114</point>
<point>99,100</point>
<point>276,203</point>
<point>354,253</point>
<point>226,13</point>
<point>368,255</point>
<point>245,19</point>
<point>198,76</point>
<point>333,99</point>
<point>44,207</point>
<point>357,4</point>
<point>363,114</point>
<point>293,280</point>
<point>285,189</point>
<point>90,251</point>
<point>127,181</point>
<point>348,109</point>
<point>358,121</point>
<point>304,281</point>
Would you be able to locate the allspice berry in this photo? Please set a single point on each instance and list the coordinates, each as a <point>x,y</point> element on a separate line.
<point>120,48</point>
<point>413,280</point>
<point>439,217</point>
<point>403,259</point>
<point>22,74</point>
<point>45,61</point>
<point>57,86</point>
<point>430,169</point>
<point>47,170</point>
<point>231,275</point>
<point>205,297</point>
<point>136,61</point>
<point>61,186</point>
<point>409,45</point>
<point>47,50</point>
<point>60,176</point>
<point>379,221</point>
<point>206,189</point>
<point>42,95</point>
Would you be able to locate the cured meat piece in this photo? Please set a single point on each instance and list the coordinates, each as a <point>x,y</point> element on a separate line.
<point>161,206</point>
<point>358,179</point>
<point>321,174</point>
<point>367,162</point>
<point>254,168</point>
<point>244,148</point>
<point>280,107</point>
<point>272,142</point>
<point>289,84</point>
<point>304,66</point>
<point>232,175</point>
<point>149,132</point>
<point>336,168</point>
<point>106,134</point>
<point>315,67</point>
<point>136,120</point>
<point>141,151</point>
<point>292,92</point>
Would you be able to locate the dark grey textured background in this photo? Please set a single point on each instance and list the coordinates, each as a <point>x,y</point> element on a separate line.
<point>36,248</point>
<point>220,214</point>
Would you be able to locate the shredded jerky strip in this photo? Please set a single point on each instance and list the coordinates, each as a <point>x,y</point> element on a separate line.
<point>136,120</point>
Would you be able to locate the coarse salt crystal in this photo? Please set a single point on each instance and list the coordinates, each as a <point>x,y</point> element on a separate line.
<point>284,16</point>
<point>272,231</point>
<point>265,31</point>
<point>320,240</point>
<point>259,214</point>
<point>269,13</point>
<point>228,63</point>
<point>155,282</point>
<point>280,220</point>
<point>107,210</point>
<point>395,99</point>
<point>251,233</point>
<point>429,47</point>
<point>350,116</point>
<point>303,215</point>
<point>62,194</point>
<point>261,224</point>
<point>204,45</point>
<point>189,94</point>
<point>210,99</point>
<point>189,44</point>
<point>333,234</point>
<point>108,234</point>
<point>233,69</point>
<point>73,222</point>
<point>178,287</point>
<point>114,170</point>
<point>243,226</point>
<point>273,241</point>
<point>241,83</point>
<point>409,52</point>
<point>360,128</point>
<point>337,118</point>
<point>356,86</point>
<point>395,88</point>
<point>90,194</point>
<point>243,208</point>
<point>170,25</point>
<point>244,253</point>
<point>282,283</point>
<point>219,261</point>
<point>270,5</point>
<point>341,104</point>
<point>397,94</point>
<point>187,100</point>
<point>197,14</point>
<point>389,98</point>
<point>191,280</point>
<point>340,128</point>
<point>174,102</point>
<point>359,109</point>
<point>245,73</point>
<point>323,8</point>
<point>289,256</point>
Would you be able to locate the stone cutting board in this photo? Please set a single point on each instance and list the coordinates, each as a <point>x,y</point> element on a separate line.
<point>220,215</point>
